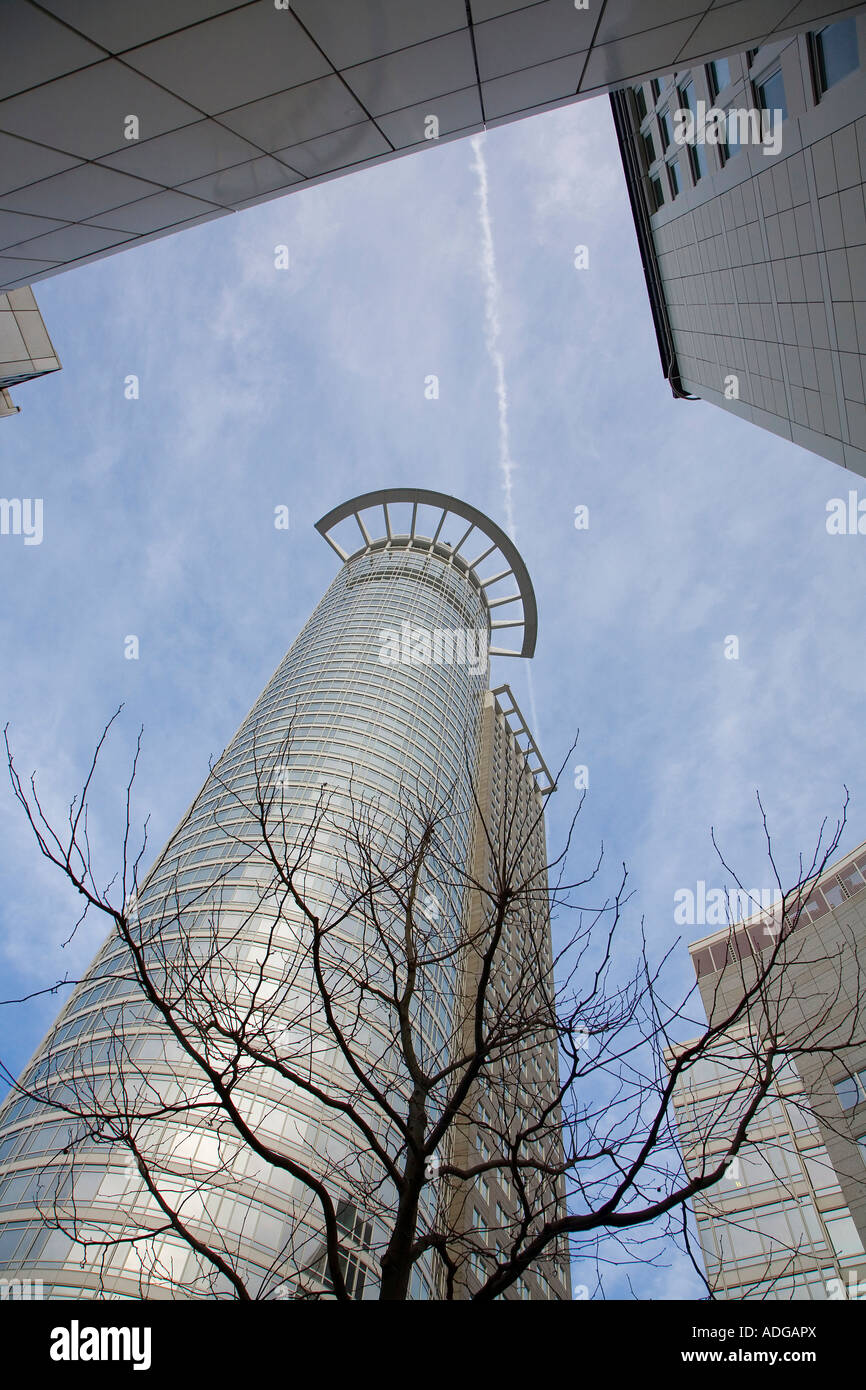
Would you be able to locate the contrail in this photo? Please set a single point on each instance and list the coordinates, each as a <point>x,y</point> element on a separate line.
<point>492,329</point>
<point>492,334</point>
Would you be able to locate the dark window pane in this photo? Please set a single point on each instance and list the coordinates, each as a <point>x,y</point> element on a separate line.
<point>836,48</point>
<point>687,97</point>
<point>649,148</point>
<point>732,145</point>
<point>640,102</point>
<point>719,73</point>
<point>674,177</point>
<point>665,128</point>
<point>771,94</point>
<point>656,194</point>
<point>847,1092</point>
<point>655,89</point>
<point>699,161</point>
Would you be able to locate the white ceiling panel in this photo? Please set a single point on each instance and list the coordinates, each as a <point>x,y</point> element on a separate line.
<point>70,242</point>
<point>15,227</point>
<point>84,114</point>
<point>336,151</point>
<point>184,154</point>
<point>236,58</point>
<point>78,193</point>
<point>555,81</point>
<point>120,24</point>
<point>454,111</point>
<point>304,112</point>
<point>149,214</point>
<point>22,162</point>
<point>538,35</point>
<point>414,74</point>
<point>36,49</point>
<point>252,179</point>
<point>354,31</point>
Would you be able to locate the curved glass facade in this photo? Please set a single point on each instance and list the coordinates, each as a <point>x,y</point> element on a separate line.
<point>369,714</point>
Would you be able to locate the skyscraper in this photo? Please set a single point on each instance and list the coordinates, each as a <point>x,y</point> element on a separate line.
<point>746,176</point>
<point>286,872</point>
<point>788,1220</point>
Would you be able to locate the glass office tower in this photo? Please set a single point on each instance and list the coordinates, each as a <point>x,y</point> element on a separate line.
<point>377,710</point>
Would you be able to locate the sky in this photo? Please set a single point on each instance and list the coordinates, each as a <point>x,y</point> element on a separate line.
<point>302,387</point>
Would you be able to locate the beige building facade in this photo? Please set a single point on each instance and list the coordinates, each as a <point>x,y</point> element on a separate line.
<point>513,783</point>
<point>788,1220</point>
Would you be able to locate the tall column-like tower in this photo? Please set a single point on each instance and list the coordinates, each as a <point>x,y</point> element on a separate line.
<point>376,710</point>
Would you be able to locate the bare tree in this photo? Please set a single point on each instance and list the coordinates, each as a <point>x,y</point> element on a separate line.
<point>492,1110</point>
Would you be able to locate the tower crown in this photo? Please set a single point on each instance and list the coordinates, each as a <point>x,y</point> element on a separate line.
<point>496,566</point>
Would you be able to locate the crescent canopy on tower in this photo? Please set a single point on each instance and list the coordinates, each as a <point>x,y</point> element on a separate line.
<point>411,518</point>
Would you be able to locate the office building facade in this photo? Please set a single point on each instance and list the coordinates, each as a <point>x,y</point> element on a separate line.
<point>119,123</point>
<point>746,176</point>
<point>521,1086</point>
<point>788,1220</point>
<point>380,709</point>
<point>26,351</point>
<point>123,123</point>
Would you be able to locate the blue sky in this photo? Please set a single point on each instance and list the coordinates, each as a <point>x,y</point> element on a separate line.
<point>304,387</point>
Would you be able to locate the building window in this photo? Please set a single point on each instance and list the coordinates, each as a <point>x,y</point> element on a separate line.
<point>698,161</point>
<point>640,102</point>
<point>656,194</point>
<point>655,88</point>
<point>844,1234</point>
<point>771,93</point>
<point>729,148</point>
<point>850,1090</point>
<point>665,129</point>
<point>719,76</point>
<point>836,54</point>
<point>687,98</point>
<point>649,148</point>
